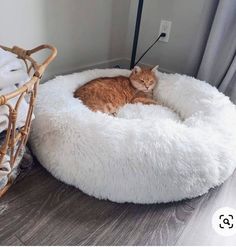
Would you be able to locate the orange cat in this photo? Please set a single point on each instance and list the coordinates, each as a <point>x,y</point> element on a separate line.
<point>109,94</point>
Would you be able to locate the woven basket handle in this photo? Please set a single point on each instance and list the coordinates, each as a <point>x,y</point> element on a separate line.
<point>38,68</point>
<point>49,59</point>
<point>25,54</point>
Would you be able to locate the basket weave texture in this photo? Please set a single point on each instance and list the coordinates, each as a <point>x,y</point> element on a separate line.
<point>14,141</point>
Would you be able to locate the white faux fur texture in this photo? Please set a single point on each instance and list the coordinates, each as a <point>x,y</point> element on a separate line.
<point>147,154</point>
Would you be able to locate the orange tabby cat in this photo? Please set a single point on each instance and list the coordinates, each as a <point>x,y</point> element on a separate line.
<point>109,94</point>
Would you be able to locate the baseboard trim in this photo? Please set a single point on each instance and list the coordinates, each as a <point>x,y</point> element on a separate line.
<point>161,69</point>
<point>123,63</point>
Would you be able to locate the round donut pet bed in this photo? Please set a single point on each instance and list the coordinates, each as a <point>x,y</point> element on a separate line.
<point>146,154</point>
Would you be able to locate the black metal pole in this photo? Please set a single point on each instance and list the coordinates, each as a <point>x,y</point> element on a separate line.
<point>136,33</point>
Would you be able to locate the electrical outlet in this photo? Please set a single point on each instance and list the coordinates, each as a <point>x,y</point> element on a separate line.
<point>165,28</point>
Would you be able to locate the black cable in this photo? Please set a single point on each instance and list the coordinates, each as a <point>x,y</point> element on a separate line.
<point>150,47</point>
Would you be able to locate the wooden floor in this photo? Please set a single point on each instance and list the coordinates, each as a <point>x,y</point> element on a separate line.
<point>39,210</point>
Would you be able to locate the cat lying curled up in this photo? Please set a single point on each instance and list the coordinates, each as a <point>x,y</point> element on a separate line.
<point>110,93</point>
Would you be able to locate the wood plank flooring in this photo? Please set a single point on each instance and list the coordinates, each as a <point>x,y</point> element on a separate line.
<point>198,231</point>
<point>40,210</point>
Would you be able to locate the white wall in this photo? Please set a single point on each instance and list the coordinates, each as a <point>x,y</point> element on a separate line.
<point>190,23</point>
<point>88,32</point>
<point>85,32</point>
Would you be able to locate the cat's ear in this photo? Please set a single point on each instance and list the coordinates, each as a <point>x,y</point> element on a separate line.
<point>136,70</point>
<point>154,69</point>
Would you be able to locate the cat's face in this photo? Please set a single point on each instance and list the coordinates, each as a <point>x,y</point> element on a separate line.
<point>144,79</point>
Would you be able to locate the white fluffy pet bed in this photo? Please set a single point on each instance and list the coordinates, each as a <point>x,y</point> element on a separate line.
<point>147,154</point>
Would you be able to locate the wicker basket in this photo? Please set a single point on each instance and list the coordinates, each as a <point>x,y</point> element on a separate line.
<point>15,139</point>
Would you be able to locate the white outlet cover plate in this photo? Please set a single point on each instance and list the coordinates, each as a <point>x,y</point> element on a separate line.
<point>165,27</point>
